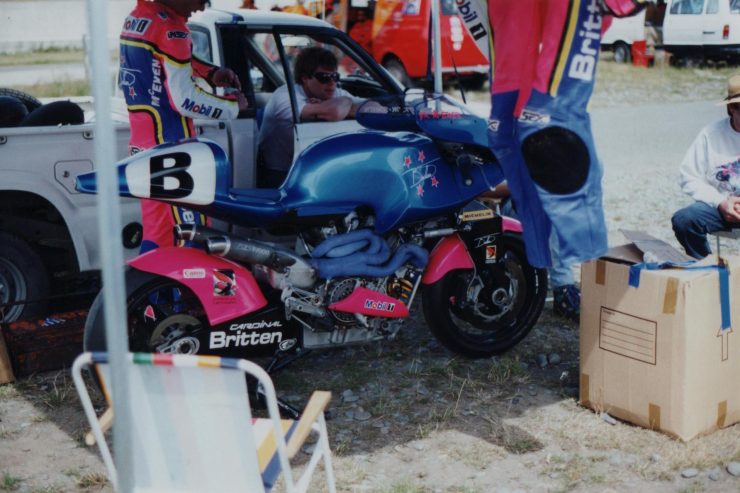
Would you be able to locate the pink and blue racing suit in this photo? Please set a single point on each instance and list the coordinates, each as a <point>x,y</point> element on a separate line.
<point>156,75</point>
<point>545,55</point>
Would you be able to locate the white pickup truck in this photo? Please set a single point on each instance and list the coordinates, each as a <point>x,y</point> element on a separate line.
<point>48,231</point>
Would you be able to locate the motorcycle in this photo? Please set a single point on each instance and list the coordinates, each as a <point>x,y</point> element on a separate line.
<point>377,217</point>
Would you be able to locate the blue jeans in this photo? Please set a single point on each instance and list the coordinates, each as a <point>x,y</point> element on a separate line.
<point>560,275</point>
<point>691,225</point>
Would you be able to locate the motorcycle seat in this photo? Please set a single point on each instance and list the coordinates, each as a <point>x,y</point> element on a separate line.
<point>256,195</point>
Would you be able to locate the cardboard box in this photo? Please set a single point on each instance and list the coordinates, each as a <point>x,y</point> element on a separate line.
<point>656,355</point>
<point>44,345</point>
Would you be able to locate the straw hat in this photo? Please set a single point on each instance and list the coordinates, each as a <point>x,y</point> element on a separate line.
<point>733,90</point>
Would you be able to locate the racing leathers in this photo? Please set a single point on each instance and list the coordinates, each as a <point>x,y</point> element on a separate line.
<point>156,75</point>
<point>545,65</point>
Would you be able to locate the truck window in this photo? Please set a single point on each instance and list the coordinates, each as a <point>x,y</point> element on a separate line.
<point>448,7</point>
<point>687,7</point>
<point>712,6</point>
<point>735,6</point>
<point>201,43</point>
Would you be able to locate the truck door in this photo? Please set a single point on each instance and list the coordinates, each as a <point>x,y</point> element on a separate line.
<point>713,23</point>
<point>683,25</point>
<point>360,78</point>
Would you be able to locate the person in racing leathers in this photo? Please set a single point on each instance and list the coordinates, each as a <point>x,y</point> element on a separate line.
<point>710,174</point>
<point>544,71</point>
<point>157,77</point>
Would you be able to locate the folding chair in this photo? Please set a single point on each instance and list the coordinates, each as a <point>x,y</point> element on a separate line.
<point>193,429</point>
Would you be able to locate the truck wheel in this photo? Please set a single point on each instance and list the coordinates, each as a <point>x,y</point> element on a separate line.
<point>29,101</point>
<point>395,67</point>
<point>22,277</point>
<point>622,53</point>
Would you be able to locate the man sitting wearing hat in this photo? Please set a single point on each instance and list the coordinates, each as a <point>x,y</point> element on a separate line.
<point>710,174</point>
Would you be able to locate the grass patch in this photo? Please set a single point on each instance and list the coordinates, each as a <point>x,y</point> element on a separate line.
<point>61,391</point>
<point>91,480</point>
<point>10,482</point>
<point>62,88</point>
<point>405,486</point>
<point>47,56</point>
<point>43,57</point>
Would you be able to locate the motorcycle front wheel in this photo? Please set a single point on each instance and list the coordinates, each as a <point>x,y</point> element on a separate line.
<point>162,315</point>
<point>482,314</point>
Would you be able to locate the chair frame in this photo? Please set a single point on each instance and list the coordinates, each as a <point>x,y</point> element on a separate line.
<point>312,419</point>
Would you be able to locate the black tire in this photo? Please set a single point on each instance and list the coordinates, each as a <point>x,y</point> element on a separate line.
<point>397,70</point>
<point>55,113</point>
<point>30,102</point>
<point>486,327</point>
<point>622,53</point>
<point>23,276</point>
<point>162,316</point>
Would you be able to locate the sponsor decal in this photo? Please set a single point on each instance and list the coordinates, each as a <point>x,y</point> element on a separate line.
<point>149,313</point>
<point>52,321</point>
<point>220,339</point>
<point>474,16</point>
<point>187,215</point>
<point>456,33</point>
<point>127,78</point>
<point>262,324</point>
<point>224,282</point>
<point>490,253</point>
<point>382,306</point>
<point>201,109</point>
<point>476,215</point>
<point>177,35</point>
<point>194,273</point>
<point>439,115</point>
<point>136,25</point>
<point>287,344</point>
<point>583,64</point>
<point>156,90</point>
<point>529,116</point>
<point>493,125</point>
<point>484,240</point>
<point>417,177</point>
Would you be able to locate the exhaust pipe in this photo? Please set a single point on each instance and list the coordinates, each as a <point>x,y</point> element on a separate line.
<point>196,233</point>
<point>287,263</point>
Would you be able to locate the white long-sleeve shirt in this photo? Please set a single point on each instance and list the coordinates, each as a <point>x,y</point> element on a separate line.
<point>710,170</point>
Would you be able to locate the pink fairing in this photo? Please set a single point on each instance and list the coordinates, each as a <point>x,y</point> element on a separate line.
<point>449,254</point>
<point>226,290</point>
<point>511,225</point>
<point>371,303</point>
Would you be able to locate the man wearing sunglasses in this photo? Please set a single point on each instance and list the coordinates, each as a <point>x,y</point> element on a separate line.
<point>157,77</point>
<point>318,99</point>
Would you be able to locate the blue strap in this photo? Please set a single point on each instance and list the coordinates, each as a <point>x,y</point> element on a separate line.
<point>724,282</point>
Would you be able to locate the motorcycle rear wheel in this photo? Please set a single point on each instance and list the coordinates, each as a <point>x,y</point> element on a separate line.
<point>162,316</point>
<point>485,314</point>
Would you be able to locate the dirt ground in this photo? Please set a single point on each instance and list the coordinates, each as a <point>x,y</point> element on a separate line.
<point>407,416</point>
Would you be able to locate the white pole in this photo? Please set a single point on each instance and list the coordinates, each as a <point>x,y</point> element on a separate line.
<point>436,47</point>
<point>109,230</point>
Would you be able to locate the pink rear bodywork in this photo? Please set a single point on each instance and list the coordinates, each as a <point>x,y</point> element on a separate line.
<point>371,303</point>
<point>226,289</point>
<point>451,253</point>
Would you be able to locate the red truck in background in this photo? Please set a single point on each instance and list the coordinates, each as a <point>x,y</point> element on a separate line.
<point>396,34</point>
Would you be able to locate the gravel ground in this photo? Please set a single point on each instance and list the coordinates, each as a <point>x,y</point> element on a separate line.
<point>407,416</point>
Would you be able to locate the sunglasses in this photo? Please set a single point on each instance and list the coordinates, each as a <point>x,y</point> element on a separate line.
<point>326,77</point>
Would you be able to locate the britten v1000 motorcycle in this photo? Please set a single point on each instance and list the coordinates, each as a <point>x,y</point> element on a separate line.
<point>366,209</point>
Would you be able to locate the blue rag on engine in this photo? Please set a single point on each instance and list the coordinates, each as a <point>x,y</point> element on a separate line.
<point>363,253</point>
